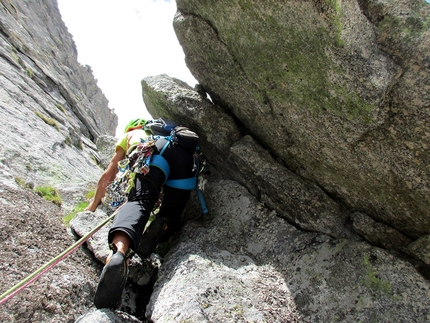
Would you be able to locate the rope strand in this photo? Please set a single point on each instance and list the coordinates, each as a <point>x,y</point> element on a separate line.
<point>39,272</point>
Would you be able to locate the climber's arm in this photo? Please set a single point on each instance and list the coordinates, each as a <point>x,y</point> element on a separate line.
<point>107,177</point>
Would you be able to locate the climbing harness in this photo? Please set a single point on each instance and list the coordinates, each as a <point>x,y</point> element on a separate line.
<point>39,272</point>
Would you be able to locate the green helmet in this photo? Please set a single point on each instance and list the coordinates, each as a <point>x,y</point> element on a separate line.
<point>135,124</point>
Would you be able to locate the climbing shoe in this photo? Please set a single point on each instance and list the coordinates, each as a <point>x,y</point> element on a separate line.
<point>112,282</point>
<point>151,236</point>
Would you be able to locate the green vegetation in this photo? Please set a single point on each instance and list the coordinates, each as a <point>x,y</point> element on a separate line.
<point>373,282</point>
<point>49,193</point>
<point>406,28</point>
<point>340,245</point>
<point>20,182</point>
<point>157,100</point>
<point>29,72</point>
<point>335,18</point>
<point>21,62</point>
<point>68,141</point>
<point>78,208</point>
<point>15,56</point>
<point>80,145</point>
<point>60,107</point>
<point>47,120</point>
<point>296,71</point>
<point>90,194</point>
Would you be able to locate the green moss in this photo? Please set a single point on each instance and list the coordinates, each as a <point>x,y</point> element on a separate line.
<point>373,282</point>
<point>47,120</point>
<point>20,182</point>
<point>29,72</point>
<point>287,62</point>
<point>245,5</point>
<point>407,29</point>
<point>21,62</point>
<point>68,141</point>
<point>49,193</point>
<point>335,16</point>
<point>284,45</point>
<point>348,104</point>
<point>155,101</point>
<point>80,207</point>
<point>60,107</point>
<point>339,246</point>
<point>14,55</point>
<point>80,145</point>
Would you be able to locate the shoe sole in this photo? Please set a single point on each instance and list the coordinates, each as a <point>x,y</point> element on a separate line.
<point>112,282</point>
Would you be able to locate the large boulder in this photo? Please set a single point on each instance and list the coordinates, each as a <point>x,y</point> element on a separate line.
<point>173,99</point>
<point>312,267</point>
<point>337,91</point>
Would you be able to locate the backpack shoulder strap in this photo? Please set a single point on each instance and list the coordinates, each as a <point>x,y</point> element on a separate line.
<point>160,162</point>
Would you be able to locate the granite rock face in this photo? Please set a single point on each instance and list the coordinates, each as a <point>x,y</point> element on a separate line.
<point>325,261</point>
<point>51,107</point>
<point>328,115</point>
<point>32,235</point>
<point>246,264</point>
<point>52,112</point>
<point>337,91</point>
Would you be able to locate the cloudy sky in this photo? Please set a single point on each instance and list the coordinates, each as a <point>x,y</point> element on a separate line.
<point>123,42</point>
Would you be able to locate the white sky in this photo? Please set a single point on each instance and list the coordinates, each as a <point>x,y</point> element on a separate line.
<point>125,41</point>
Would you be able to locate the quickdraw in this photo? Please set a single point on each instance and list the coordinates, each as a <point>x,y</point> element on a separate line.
<point>140,155</point>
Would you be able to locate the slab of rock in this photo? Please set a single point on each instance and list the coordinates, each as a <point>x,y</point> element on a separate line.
<point>247,264</point>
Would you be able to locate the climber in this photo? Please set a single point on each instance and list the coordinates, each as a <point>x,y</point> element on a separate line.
<point>126,233</point>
